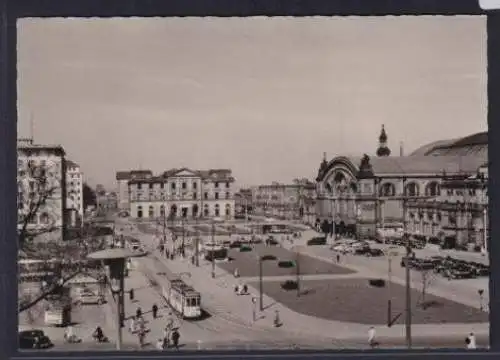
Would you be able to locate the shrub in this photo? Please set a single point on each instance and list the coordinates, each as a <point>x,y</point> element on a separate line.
<point>289,285</point>
<point>268,257</point>
<point>317,241</point>
<point>245,249</point>
<point>286,264</point>
<point>377,282</point>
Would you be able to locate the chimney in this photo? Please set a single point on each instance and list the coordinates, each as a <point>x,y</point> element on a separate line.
<point>401,151</point>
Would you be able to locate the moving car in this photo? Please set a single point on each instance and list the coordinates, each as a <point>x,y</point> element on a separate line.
<point>34,339</point>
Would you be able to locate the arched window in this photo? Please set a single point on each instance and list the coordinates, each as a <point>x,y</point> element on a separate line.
<point>228,210</point>
<point>151,211</point>
<point>217,210</point>
<point>433,189</point>
<point>412,189</point>
<point>387,189</point>
<point>206,210</point>
<point>139,212</point>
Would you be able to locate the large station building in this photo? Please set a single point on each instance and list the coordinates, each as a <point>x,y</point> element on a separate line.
<point>438,191</point>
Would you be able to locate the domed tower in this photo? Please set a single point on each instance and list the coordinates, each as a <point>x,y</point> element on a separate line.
<point>383,149</point>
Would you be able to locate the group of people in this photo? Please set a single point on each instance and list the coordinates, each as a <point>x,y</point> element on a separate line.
<point>170,337</point>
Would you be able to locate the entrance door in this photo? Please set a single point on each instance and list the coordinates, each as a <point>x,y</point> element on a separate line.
<point>184,212</point>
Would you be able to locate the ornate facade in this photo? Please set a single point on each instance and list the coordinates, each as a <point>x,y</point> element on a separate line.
<point>183,194</point>
<point>368,192</point>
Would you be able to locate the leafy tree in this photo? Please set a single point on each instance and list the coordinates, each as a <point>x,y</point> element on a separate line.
<point>89,196</point>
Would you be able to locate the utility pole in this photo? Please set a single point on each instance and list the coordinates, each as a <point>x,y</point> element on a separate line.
<point>407,271</point>
<point>213,249</point>
<point>297,270</point>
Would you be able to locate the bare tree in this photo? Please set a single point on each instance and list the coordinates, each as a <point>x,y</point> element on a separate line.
<point>41,211</point>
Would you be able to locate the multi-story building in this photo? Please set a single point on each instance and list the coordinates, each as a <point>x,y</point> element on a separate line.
<point>243,201</point>
<point>122,188</point>
<point>183,193</point>
<point>290,201</point>
<point>369,192</point>
<point>458,215</point>
<point>41,182</point>
<point>74,193</point>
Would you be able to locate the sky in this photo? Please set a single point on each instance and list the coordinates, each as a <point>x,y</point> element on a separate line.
<point>265,97</point>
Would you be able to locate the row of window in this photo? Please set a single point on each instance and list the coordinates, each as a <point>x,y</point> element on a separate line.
<point>192,196</point>
<point>184,212</point>
<point>184,185</point>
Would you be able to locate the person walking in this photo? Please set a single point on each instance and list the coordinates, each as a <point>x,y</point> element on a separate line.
<point>471,341</point>
<point>154,310</point>
<point>138,313</point>
<point>132,325</point>
<point>175,339</point>
<point>371,337</point>
<point>131,294</point>
<point>338,258</point>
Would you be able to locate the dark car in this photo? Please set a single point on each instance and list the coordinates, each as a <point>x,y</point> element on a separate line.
<point>235,245</point>
<point>34,339</point>
<point>374,252</point>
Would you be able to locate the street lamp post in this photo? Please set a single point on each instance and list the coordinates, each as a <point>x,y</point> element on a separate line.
<point>407,271</point>
<point>115,260</point>
<point>297,270</point>
<point>261,285</point>
<point>183,244</point>
<point>212,257</point>
<point>480,292</point>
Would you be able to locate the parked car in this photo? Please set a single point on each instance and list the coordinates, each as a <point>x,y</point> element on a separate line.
<point>86,296</point>
<point>34,339</point>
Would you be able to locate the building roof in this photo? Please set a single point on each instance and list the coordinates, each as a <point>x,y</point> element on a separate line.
<point>211,174</point>
<point>410,165</point>
<point>425,149</point>
<point>127,175</point>
<point>475,144</point>
<point>30,148</point>
<point>70,163</point>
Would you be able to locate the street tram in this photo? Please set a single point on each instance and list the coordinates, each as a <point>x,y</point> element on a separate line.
<point>183,299</point>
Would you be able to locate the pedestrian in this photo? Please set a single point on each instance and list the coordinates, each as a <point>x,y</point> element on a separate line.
<point>138,313</point>
<point>154,310</point>
<point>371,337</point>
<point>471,341</point>
<point>338,258</point>
<point>175,338</point>
<point>132,325</point>
<point>131,294</point>
<point>236,273</point>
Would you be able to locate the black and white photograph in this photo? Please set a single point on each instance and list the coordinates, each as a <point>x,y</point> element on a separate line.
<point>252,183</point>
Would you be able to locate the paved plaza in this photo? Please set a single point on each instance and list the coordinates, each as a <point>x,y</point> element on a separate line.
<point>354,300</point>
<point>248,265</point>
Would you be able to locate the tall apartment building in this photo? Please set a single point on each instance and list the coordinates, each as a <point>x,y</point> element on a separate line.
<point>74,193</point>
<point>41,186</point>
<point>183,193</point>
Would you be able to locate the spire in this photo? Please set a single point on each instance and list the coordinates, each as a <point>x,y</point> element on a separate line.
<point>383,136</point>
<point>383,150</point>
